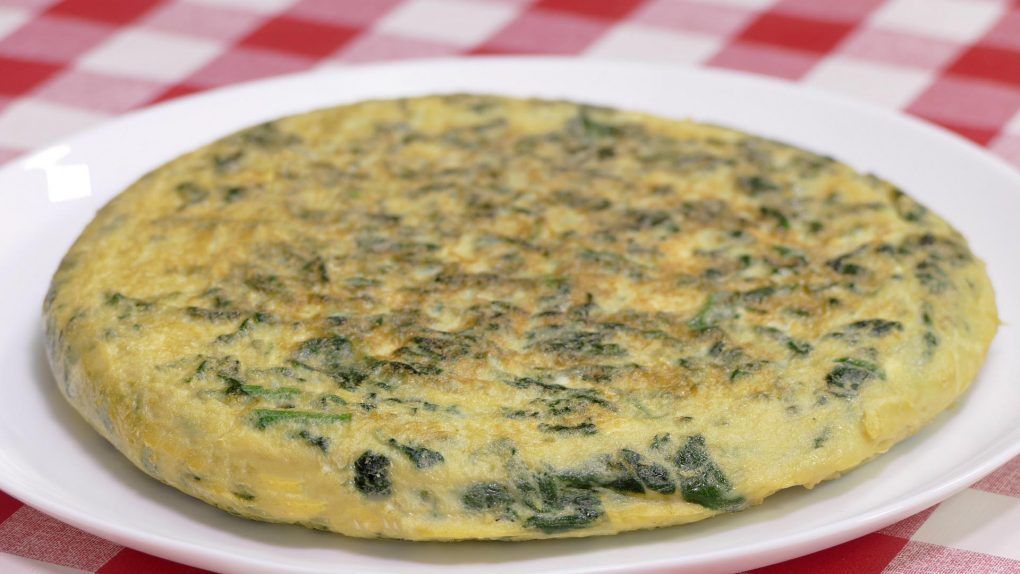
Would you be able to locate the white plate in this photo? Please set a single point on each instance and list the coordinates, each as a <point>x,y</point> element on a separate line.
<point>50,459</point>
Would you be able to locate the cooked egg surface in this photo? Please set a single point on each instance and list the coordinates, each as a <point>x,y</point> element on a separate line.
<point>473,317</point>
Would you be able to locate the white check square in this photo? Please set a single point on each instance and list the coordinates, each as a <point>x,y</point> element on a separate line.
<point>13,564</point>
<point>1013,125</point>
<point>889,86</point>
<point>753,4</point>
<point>11,19</point>
<point>977,521</point>
<point>28,124</point>
<point>262,6</point>
<point>150,55</point>
<point>957,20</point>
<point>645,43</point>
<point>457,22</point>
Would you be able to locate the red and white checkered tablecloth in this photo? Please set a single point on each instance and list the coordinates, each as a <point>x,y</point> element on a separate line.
<point>66,65</point>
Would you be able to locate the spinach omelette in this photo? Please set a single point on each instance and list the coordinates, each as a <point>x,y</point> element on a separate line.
<point>471,317</point>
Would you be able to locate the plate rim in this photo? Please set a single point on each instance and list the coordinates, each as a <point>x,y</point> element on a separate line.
<point>189,552</point>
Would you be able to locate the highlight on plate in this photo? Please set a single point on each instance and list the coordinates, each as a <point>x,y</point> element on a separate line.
<point>476,317</point>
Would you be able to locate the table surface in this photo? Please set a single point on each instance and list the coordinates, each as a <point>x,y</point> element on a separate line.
<point>66,65</point>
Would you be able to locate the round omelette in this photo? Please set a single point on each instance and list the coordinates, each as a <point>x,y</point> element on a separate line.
<point>471,317</point>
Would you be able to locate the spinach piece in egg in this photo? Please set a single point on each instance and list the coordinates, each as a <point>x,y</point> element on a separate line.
<point>372,474</point>
<point>701,480</point>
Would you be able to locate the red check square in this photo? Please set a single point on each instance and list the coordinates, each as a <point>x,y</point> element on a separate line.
<point>302,37</point>
<point>360,13</point>
<point>8,505</point>
<point>613,10</point>
<point>978,135</point>
<point>175,92</point>
<point>999,64</point>
<point>808,34</point>
<point>866,555</point>
<point>111,11</point>
<point>20,76</point>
